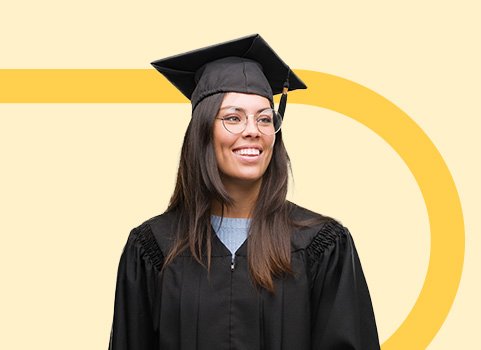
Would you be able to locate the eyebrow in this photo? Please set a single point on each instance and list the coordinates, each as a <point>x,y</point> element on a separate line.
<point>242,109</point>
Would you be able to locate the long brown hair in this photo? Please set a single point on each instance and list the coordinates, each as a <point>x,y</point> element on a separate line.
<point>199,182</point>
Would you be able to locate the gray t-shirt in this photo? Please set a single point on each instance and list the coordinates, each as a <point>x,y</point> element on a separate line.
<point>232,231</point>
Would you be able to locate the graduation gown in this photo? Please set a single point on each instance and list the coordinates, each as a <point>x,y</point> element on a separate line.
<point>324,305</point>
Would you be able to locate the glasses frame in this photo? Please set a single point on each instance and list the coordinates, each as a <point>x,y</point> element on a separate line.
<point>256,119</point>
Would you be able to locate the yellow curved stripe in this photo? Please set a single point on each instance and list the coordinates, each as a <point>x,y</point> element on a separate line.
<point>437,187</point>
<point>327,91</point>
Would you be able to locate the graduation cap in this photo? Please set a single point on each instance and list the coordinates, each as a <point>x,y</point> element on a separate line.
<point>245,65</point>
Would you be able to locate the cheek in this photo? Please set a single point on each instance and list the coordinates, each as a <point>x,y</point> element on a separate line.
<point>222,141</point>
<point>271,143</point>
<point>269,149</point>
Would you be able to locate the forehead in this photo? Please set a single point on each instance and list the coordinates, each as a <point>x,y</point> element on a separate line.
<point>246,101</point>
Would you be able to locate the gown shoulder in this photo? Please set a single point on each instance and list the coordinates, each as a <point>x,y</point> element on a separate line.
<point>315,232</point>
<point>143,239</point>
<point>163,229</point>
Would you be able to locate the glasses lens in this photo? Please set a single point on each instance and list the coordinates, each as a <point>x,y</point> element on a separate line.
<point>269,122</point>
<point>234,121</point>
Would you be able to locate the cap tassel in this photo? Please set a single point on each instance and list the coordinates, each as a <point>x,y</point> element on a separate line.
<point>282,104</point>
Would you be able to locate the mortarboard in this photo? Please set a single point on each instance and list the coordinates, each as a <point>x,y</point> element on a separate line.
<point>245,65</point>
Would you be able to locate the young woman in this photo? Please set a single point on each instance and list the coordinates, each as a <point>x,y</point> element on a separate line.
<point>231,264</point>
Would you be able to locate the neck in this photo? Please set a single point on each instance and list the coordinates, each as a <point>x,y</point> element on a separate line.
<point>244,199</point>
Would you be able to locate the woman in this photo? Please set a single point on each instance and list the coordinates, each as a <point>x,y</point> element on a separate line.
<point>231,264</point>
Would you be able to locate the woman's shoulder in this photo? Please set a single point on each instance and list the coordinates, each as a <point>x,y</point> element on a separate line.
<point>313,231</point>
<point>155,233</point>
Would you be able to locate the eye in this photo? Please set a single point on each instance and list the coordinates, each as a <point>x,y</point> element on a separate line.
<point>232,118</point>
<point>265,118</point>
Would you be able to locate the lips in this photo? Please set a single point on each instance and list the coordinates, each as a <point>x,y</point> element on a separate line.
<point>248,151</point>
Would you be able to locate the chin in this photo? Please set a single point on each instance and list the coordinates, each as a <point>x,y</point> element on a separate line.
<point>244,179</point>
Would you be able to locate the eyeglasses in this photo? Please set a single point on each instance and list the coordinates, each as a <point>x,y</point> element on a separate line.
<point>234,119</point>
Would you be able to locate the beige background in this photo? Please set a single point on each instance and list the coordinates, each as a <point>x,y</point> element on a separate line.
<point>75,178</point>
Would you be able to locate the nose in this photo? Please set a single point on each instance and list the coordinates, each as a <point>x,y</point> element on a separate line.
<point>251,129</point>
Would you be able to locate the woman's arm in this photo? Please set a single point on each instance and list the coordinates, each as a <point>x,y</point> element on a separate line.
<point>342,314</point>
<point>135,295</point>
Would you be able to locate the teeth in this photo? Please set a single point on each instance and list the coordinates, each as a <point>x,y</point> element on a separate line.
<point>247,152</point>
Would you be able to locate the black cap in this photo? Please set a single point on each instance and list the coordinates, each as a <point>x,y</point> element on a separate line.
<point>245,65</point>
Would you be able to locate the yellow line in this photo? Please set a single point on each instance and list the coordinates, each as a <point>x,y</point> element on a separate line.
<point>326,91</point>
<point>86,86</point>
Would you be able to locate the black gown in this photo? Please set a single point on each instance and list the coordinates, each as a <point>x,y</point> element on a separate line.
<point>324,305</point>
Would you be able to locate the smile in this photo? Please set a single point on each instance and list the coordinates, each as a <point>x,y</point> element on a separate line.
<point>252,152</point>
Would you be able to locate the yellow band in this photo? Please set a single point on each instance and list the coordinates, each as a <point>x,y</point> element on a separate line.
<point>327,91</point>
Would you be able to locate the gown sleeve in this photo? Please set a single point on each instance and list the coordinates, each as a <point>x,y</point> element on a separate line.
<point>342,313</point>
<point>135,293</point>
